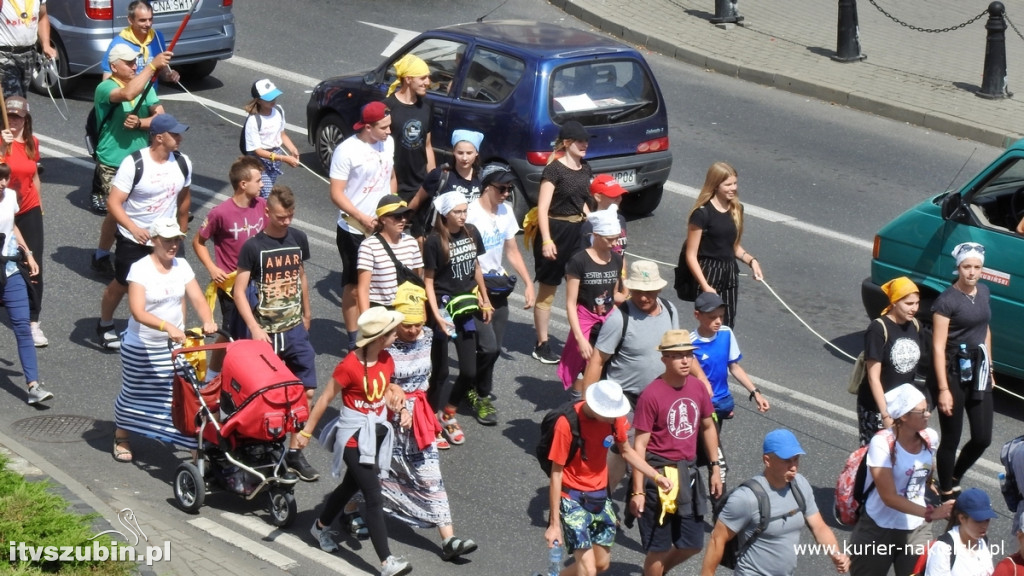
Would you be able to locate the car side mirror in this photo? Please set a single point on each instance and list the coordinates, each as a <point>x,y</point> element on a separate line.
<point>952,206</point>
<point>370,79</point>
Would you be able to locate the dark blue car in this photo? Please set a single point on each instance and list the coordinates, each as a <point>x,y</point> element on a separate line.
<point>516,82</point>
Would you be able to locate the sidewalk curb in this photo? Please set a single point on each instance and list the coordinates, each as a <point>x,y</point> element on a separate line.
<point>788,82</point>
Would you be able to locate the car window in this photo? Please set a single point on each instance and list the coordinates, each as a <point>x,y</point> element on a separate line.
<point>999,200</point>
<point>491,76</point>
<point>602,92</point>
<point>442,57</point>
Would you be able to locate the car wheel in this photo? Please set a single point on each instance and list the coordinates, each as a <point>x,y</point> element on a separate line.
<point>198,70</point>
<point>329,133</point>
<point>643,202</point>
<point>43,78</point>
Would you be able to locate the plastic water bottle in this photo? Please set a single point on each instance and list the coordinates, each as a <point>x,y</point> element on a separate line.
<point>555,559</point>
<point>1002,482</point>
<point>966,370</point>
<point>451,324</point>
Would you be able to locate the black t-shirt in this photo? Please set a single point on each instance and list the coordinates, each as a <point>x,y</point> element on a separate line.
<point>454,183</point>
<point>410,125</point>
<point>719,235</point>
<point>597,281</point>
<point>276,265</point>
<point>899,356</point>
<point>456,275</point>
<point>572,188</point>
<point>968,321</point>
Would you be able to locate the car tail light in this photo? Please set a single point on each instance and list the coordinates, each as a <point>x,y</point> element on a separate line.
<point>227,2</point>
<point>99,9</point>
<point>656,145</point>
<point>538,158</point>
<point>876,247</point>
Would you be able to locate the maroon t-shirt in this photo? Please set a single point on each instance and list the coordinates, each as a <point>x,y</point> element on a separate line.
<point>673,417</point>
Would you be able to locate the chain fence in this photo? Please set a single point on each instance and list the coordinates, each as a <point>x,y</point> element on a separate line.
<point>930,30</point>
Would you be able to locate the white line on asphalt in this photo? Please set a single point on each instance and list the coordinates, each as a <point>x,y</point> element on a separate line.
<point>402,36</point>
<point>237,111</point>
<point>300,547</point>
<point>262,68</point>
<point>247,544</point>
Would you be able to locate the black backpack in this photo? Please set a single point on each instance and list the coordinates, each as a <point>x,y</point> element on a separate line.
<point>139,164</point>
<point>93,130</point>
<point>259,124</point>
<point>733,551</point>
<point>547,435</point>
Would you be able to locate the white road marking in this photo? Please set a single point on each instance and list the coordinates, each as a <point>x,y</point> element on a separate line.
<point>402,36</point>
<point>305,549</point>
<point>247,544</point>
<point>237,111</point>
<point>262,68</point>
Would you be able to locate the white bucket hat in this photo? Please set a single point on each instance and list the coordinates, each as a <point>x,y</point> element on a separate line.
<point>606,399</point>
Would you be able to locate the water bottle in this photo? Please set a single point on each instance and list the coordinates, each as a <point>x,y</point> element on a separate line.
<point>966,370</point>
<point>451,324</point>
<point>1002,482</point>
<point>555,559</point>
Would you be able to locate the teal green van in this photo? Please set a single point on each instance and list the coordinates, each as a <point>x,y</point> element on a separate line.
<point>919,242</point>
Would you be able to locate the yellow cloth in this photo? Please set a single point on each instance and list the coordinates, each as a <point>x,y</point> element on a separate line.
<point>408,66</point>
<point>898,289</point>
<point>411,304</point>
<point>226,286</point>
<point>668,499</point>
<point>196,358</point>
<point>530,227</point>
<point>128,35</point>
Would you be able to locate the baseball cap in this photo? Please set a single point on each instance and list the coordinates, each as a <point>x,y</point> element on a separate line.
<point>573,130</point>
<point>393,205</point>
<point>265,90</point>
<point>606,185</point>
<point>707,302</point>
<point>18,106</point>
<point>122,52</point>
<point>496,174</point>
<point>975,503</point>
<point>782,443</point>
<point>162,123</point>
<point>372,112</point>
<point>166,228</point>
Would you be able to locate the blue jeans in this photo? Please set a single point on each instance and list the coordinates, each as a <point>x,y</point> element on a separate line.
<point>15,298</point>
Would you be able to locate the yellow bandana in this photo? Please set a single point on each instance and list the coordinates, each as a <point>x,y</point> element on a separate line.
<point>898,289</point>
<point>408,66</point>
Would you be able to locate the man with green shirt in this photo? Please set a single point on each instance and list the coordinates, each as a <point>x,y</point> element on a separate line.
<point>121,130</point>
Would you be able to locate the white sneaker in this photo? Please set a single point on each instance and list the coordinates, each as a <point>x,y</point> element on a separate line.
<point>324,536</point>
<point>395,566</point>
<point>38,338</point>
<point>36,394</point>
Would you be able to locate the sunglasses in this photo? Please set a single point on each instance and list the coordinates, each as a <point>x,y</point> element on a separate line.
<point>502,189</point>
<point>969,247</point>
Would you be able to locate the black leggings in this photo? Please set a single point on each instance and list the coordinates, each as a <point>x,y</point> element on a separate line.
<point>31,226</point>
<point>979,415</point>
<point>360,477</point>
<point>476,353</point>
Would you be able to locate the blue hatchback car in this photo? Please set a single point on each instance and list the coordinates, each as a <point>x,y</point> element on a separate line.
<point>516,82</point>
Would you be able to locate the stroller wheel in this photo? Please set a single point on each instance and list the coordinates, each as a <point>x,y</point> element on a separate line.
<point>282,508</point>
<point>189,487</point>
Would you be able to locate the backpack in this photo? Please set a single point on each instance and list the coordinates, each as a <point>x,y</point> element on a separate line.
<point>93,130</point>
<point>850,492</point>
<point>859,374</point>
<point>259,124</point>
<point>922,561</point>
<point>1011,494</point>
<point>547,435</point>
<point>139,165</point>
<point>733,551</point>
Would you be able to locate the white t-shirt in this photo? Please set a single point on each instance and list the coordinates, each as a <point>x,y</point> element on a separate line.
<point>494,229</point>
<point>156,196</point>
<point>269,133</point>
<point>910,474</point>
<point>165,295</point>
<point>13,30</point>
<point>969,562</point>
<point>366,169</point>
<point>8,208</point>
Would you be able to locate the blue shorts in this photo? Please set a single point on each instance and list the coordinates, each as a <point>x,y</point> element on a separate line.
<point>682,532</point>
<point>583,529</point>
<point>293,347</point>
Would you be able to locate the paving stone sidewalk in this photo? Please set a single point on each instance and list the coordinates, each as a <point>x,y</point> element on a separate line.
<point>926,79</point>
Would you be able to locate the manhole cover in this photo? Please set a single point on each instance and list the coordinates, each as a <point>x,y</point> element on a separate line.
<point>60,428</point>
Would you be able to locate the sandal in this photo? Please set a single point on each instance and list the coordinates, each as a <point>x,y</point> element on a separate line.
<point>122,450</point>
<point>454,547</point>
<point>441,442</point>
<point>356,525</point>
<point>451,429</point>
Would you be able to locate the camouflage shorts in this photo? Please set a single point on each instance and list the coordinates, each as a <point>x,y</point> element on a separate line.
<point>17,71</point>
<point>102,177</point>
<point>582,530</point>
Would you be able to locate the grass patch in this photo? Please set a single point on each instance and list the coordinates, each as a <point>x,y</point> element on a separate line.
<point>30,513</point>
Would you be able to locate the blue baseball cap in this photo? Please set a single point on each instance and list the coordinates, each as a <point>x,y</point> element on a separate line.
<point>162,123</point>
<point>782,443</point>
<point>975,503</point>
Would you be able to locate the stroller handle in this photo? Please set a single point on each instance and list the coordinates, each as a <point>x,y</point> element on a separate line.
<point>200,336</point>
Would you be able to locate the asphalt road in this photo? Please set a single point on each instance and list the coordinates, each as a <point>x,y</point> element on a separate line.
<point>818,180</point>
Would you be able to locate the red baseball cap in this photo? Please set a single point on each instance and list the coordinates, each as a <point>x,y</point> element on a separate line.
<point>606,185</point>
<point>372,112</point>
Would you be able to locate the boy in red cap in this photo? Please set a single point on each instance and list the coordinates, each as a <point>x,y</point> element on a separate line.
<point>606,191</point>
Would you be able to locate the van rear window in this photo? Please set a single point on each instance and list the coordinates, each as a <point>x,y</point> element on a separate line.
<point>602,92</point>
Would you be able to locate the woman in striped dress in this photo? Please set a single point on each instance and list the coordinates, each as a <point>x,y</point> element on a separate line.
<point>713,239</point>
<point>157,287</point>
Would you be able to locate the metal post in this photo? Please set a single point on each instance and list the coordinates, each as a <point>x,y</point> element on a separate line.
<point>848,36</point>
<point>725,12</point>
<point>993,83</point>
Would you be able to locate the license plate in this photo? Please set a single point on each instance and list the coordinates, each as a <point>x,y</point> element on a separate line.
<point>625,178</point>
<point>169,6</point>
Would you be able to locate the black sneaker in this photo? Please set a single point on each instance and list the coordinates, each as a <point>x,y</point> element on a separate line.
<point>543,353</point>
<point>296,461</point>
<point>104,265</point>
<point>108,338</point>
<point>99,204</point>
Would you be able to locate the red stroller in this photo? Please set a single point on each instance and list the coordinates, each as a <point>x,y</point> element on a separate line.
<point>241,421</point>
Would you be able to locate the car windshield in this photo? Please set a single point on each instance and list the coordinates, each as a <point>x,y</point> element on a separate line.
<point>602,92</point>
